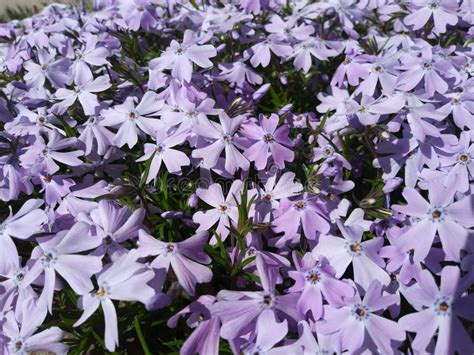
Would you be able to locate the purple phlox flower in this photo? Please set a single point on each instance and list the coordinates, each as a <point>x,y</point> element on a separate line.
<point>443,12</point>
<point>140,13</point>
<point>239,73</point>
<point>185,258</point>
<point>95,136</point>
<point>84,90</point>
<point>43,156</point>
<point>19,332</point>
<point>360,327</point>
<point>180,57</point>
<point>305,211</point>
<point>225,208</point>
<point>305,344</point>
<point>311,47</point>
<point>113,225</point>
<point>132,120</point>
<point>330,156</point>
<point>399,262</point>
<point>288,30</point>
<point>188,114</point>
<point>450,220</point>
<point>273,191</point>
<point>58,254</point>
<point>55,70</point>
<point>268,141</point>
<point>162,151</point>
<point>263,49</point>
<point>422,68</point>
<point>124,280</point>
<point>54,187</point>
<point>205,337</point>
<point>440,310</point>
<point>32,122</point>
<point>341,252</point>
<point>459,166</point>
<point>315,279</point>
<point>12,275</point>
<point>240,310</point>
<point>382,71</point>
<point>416,117</point>
<point>354,66</point>
<point>266,337</point>
<point>90,53</point>
<point>22,225</point>
<point>337,100</point>
<point>224,139</point>
<point>369,110</point>
<point>461,106</point>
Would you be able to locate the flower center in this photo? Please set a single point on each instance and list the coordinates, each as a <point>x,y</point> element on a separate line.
<point>436,214</point>
<point>268,138</point>
<point>159,149</point>
<point>346,61</point>
<point>132,115</point>
<point>18,345</point>
<point>426,65</point>
<point>360,312</point>
<point>464,158</point>
<point>355,247</point>
<point>47,178</point>
<point>443,307</point>
<point>20,276</point>
<point>378,68</point>
<point>227,138</point>
<point>170,248</point>
<point>330,196</point>
<point>179,51</point>
<point>313,276</point>
<point>191,114</point>
<point>222,208</point>
<point>299,205</point>
<point>456,100</point>
<point>45,66</point>
<point>268,300</point>
<point>108,240</point>
<point>41,119</point>
<point>434,5</point>
<point>362,109</point>
<point>267,197</point>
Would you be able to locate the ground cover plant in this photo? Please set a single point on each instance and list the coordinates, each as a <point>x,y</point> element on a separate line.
<point>245,176</point>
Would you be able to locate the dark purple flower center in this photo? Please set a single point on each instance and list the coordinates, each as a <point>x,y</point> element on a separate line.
<point>360,312</point>
<point>18,345</point>
<point>268,138</point>
<point>108,240</point>
<point>47,178</point>
<point>179,51</point>
<point>268,300</point>
<point>45,66</point>
<point>378,68</point>
<point>170,248</point>
<point>443,307</point>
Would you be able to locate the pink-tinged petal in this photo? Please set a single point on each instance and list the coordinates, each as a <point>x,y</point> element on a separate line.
<point>453,238</point>
<point>269,330</point>
<point>419,238</point>
<point>111,328</point>
<point>89,305</point>
<point>77,270</point>
<point>383,331</point>
<point>424,324</point>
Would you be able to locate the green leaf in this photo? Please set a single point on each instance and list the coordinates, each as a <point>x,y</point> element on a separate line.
<point>139,332</point>
<point>146,172</point>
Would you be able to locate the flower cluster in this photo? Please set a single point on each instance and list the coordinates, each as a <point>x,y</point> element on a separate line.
<point>293,177</point>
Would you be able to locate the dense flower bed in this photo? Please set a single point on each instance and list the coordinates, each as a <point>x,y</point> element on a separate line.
<point>257,176</point>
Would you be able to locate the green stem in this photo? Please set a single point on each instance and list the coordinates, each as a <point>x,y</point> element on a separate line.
<point>139,332</point>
